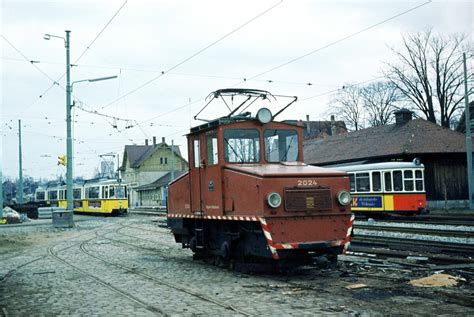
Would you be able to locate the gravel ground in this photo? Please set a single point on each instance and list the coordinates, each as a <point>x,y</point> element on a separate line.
<point>132,266</point>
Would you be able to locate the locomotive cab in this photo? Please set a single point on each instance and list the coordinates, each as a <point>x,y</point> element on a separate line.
<point>248,195</point>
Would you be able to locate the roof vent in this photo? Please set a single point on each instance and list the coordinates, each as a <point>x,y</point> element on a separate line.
<point>402,116</point>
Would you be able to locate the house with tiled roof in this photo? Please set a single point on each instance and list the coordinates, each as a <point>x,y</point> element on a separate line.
<point>441,150</point>
<point>144,164</point>
<point>320,129</point>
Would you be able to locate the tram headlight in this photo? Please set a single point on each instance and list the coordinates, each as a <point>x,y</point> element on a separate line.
<point>264,115</point>
<point>274,200</point>
<point>344,197</point>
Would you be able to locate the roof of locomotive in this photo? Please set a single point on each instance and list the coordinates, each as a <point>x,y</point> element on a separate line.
<point>294,169</point>
<point>228,121</point>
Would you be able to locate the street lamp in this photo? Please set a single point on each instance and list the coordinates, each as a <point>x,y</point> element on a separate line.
<point>91,80</point>
<point>69,155</point>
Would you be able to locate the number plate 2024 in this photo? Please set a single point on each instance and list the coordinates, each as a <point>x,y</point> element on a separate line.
<point>306,182</point>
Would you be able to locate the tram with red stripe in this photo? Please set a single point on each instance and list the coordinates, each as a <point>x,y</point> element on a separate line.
<point>388,188</point>
<point>248,198</point>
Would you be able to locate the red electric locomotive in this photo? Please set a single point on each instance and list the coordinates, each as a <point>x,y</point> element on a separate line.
<point>249,198</point>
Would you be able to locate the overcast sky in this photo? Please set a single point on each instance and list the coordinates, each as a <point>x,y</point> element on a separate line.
<point>148,37</point>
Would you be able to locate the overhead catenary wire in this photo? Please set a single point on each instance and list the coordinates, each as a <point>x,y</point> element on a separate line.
<point>192,55</point>
<point>297,58</point>
<point>56,82</point>
<point>338,41</point>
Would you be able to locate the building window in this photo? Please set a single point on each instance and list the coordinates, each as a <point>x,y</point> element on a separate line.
<point>166,161</point>
<point>161,161</point>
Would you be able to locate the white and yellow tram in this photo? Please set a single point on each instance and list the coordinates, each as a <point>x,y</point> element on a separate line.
<point>92,196</point>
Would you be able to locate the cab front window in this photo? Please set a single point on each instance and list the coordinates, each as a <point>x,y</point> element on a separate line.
<point>242,145</point>
<point>281,145</point>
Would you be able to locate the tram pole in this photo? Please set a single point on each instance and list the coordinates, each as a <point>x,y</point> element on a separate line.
<point>1,190</point>
<point>172,160</point>
<point>20,172</point>
<point>467,117</point>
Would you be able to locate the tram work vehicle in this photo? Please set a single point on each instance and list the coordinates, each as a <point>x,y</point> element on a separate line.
<point>387,188</point>
<point>249,198</point>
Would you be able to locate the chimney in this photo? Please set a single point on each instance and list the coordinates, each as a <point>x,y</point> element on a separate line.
<point>154,140</point>
<point>308,128</point>
<point>163,140</point>
<point>333,125</point>
<point>402,116</point>
<point>146,141</point>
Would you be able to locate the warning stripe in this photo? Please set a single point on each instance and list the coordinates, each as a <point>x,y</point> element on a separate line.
<point>198,216</point>
<point>347,240</point>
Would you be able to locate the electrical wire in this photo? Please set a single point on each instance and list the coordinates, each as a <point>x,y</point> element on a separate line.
<point>193,55</point>
<point>56,82</point>
<point>338,41</point>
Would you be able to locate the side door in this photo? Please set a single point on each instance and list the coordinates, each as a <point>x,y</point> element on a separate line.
<point>211,175</point>
<point>194,146</point>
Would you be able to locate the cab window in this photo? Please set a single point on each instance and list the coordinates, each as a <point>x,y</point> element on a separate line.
<point>419,180</point>
<point>197,154</point>
<point>120,192</point>
<point>281,145</point>
<point>408,180</point>
<point>376,182</point>
<point>39,195</point>
<point>211,148</point>
<point>76,193</point>
<point>241,145</point>
<point>352,182</point>
<point>397,181</point>
<point>388,181</point>
<point>362,182</point>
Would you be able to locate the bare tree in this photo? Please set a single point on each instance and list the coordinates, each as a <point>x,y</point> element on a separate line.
<point>379,101</point>
<point>347,105</point>
<point>429,73</point>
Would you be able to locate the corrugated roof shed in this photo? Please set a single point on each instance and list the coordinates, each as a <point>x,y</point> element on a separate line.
<point>414,137</point>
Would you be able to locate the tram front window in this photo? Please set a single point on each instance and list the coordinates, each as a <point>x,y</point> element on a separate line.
<point>242,145</point>
<point>119,192</point>
<point>281,145</point>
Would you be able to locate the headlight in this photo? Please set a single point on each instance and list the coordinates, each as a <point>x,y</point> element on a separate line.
<point>344,197</point>
<point>274,200</point>
<point>264,115</point>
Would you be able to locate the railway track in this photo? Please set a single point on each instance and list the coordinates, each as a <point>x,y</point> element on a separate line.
<point>160,281</point>
<point>415,230</point>
<point>453,220</point>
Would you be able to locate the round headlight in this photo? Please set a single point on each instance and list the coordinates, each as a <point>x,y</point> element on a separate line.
<point>264,115</point>
<point>274,200</point>
<point>344,197</point>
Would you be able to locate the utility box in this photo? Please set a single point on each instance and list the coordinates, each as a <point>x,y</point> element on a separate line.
<point>62,218</point>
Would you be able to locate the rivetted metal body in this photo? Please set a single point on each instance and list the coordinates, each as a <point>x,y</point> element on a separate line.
<point>248,195</point>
